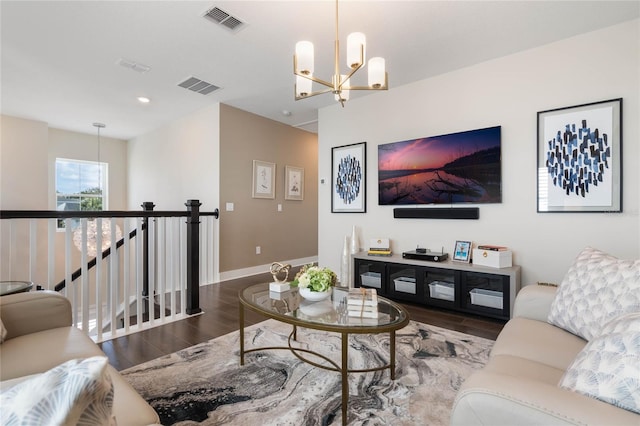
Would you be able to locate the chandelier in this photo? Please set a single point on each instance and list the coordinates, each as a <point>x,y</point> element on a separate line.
<point>92,224</point>
<point>340,83</point>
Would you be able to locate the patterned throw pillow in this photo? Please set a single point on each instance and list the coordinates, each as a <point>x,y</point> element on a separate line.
<point>78,392</point>
<point>608,367</point>
<point>597,288</point>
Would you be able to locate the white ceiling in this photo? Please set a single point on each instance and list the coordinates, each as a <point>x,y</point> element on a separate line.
<point>59,58</point>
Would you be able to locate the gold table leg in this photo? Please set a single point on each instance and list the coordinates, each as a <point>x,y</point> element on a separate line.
<point>241,316</point>
<point>392,354</point>
<point>345,378</point>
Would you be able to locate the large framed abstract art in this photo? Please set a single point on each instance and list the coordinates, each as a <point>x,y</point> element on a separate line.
<point>348,178</point>
<point>580,158</point>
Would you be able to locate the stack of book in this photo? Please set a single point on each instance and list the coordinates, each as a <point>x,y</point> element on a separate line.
<point>492,247</point>
<point>379,247</point>
<point>362,303</point>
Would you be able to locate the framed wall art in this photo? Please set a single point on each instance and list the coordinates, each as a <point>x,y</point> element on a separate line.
<point>348,178</point>
<point>580,158</point>
<point>462,251</point>
<point>264,179</point>
<point>293,183</point>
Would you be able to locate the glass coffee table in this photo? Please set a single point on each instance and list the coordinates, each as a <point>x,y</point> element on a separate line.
<point>327,315</point>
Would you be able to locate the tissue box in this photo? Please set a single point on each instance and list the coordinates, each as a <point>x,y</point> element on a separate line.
<point>492,258</point>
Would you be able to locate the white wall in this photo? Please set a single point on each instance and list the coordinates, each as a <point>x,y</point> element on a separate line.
<point>508,91</point>
<point>176,163</point>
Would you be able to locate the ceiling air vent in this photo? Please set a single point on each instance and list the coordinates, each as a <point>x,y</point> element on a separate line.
<point>221,17</point>
<point>132,65</point>
<point>196,85</point>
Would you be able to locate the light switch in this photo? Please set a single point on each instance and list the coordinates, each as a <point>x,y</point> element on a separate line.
<point>229,207</point>
<point>279,207</point>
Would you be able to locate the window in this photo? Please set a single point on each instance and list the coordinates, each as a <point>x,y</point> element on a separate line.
<point>80,186</point>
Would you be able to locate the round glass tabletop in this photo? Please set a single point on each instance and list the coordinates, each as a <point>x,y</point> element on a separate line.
<point>329,314</point>
<point>11,287</point>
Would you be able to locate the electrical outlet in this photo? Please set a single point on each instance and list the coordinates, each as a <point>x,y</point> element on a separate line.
<point>279,207</point>
<point>258,250</point>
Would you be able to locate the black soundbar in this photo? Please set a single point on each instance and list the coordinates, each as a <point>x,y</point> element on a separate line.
<point>437,213</point>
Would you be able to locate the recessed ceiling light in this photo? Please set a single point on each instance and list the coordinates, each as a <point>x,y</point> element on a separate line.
<point>144,99</point>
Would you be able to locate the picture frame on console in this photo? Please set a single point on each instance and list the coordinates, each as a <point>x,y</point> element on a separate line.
<point>293,183</point>
<point>462,251</point>
<point>349,178</point>
<point>580,158</point>
<point>264,180</point>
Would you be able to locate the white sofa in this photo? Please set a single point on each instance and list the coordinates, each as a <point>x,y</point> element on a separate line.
<point>39,337</point>
<point>521,383</point>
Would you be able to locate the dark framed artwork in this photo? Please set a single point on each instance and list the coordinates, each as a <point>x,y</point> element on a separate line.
<point>348,178</point>
<point>580,158</point>
<point>456,168</point>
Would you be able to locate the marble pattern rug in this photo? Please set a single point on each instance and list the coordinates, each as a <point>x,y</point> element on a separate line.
<point>205,384</point>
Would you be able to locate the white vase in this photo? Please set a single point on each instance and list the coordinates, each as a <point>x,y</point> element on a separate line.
<point>355,244</point>
<point>345,265</point>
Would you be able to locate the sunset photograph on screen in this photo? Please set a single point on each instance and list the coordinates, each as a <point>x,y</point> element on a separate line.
<point>456,168</point>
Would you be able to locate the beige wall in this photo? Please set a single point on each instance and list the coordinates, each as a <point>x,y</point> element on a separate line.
<point>28,150</point>
<point>282,236</point>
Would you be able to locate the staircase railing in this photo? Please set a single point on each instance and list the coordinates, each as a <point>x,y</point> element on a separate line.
<point>150,276</point>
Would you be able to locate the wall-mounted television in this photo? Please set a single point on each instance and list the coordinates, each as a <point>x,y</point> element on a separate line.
<point>456,168</point>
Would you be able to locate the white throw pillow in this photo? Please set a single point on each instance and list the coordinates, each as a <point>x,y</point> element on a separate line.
<point>608,367</point>
<point>597,288</point>
<point>78,392</point>
<point>3,332</point>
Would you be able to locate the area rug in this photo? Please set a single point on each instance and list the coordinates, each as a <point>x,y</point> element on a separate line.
<point>205,384</point>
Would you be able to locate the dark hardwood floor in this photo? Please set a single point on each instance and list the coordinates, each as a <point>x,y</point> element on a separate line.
<point>220,305</point>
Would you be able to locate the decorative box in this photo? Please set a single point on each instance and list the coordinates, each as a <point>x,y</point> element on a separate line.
<point>488,298</point>
<point>371,279</point>
<point>442,290</point>
<point>405,285</point>
<point>492,258</point>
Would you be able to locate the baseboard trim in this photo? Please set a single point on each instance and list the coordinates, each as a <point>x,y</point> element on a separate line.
<point>261,269</point>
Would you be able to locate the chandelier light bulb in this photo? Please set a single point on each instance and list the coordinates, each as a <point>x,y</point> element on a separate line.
<point>356,45</point>
<point>303,86</point>
<point>304,55</point>
<point>377,72</point>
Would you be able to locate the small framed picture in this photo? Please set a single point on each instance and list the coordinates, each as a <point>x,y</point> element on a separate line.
<point>293,183</point>
<point>462,251</point>
<point>264,179</point>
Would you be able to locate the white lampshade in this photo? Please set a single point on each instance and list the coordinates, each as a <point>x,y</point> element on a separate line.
<point>303,86</point>
<point>344,94</point>
<point>304,55</point>
<point>354,41</point>
<point>376,72</point>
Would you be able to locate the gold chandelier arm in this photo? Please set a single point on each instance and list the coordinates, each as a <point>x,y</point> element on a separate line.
<point>384,87</point>
<point>319,92</point>
<point>312,78</point>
